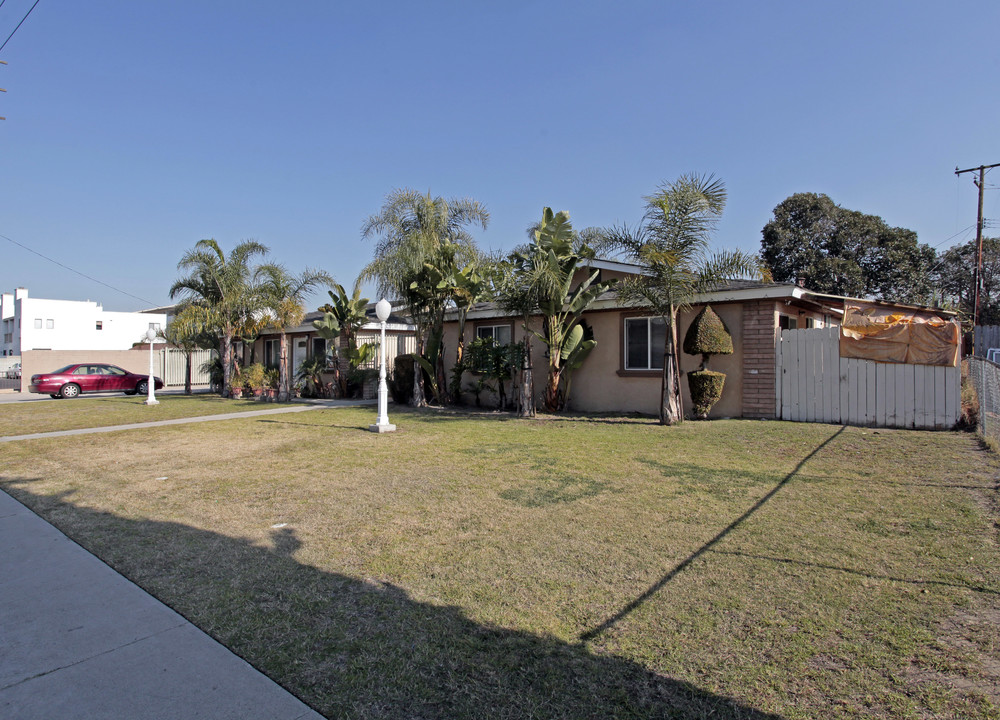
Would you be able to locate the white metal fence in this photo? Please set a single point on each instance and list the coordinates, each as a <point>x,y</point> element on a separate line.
<point>815,384</point>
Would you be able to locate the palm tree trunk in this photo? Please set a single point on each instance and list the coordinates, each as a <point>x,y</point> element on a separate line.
<point>526,390</point>
<point>455,387</point>
<point>226,352</point>
<point>418,399</point>
<point>187,373</point>
<point>283,369</point>
<point>671,410</point>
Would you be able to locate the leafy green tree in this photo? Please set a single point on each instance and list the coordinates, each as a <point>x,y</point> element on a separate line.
<point>222,291</point>
<point>284,295</point>
<point>541,280</point>
<point>671,243</point>
<point>415,231</point>
<point>955,281</point>
<point>845,252</point>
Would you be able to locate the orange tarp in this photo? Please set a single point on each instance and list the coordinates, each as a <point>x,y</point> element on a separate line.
<point>886,334</point>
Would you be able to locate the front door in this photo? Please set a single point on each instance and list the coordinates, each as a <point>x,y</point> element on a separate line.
<point>300,350</point>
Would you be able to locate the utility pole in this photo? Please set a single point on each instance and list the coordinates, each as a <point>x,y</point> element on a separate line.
<point>979,233</point>
<point>3,62</point>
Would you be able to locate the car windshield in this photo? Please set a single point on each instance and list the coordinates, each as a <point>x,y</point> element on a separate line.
<point>62,370</point>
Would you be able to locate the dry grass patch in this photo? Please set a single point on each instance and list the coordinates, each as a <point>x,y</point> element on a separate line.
<point>469,565</point>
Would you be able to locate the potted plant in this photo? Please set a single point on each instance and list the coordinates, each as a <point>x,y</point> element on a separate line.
<point>236,384</point>
<point>254,377</point>
<point>271,378</point>
<point>708,335</point>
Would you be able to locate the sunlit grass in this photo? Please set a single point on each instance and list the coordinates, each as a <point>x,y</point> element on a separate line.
<point>480,566</point>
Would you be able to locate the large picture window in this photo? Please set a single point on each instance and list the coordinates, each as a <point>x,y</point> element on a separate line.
<point>644,340</point>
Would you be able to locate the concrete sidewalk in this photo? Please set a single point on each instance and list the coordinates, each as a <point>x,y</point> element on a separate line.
<point>298,407</point>
<point>79,641</point>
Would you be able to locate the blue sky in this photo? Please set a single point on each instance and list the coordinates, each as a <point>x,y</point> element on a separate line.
<point>134,129</point>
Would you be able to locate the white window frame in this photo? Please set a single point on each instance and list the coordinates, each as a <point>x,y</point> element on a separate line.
<point>493,332</point>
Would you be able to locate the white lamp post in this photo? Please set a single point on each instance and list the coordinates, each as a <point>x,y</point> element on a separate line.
<point>382,425</point>
<point>151,398</point>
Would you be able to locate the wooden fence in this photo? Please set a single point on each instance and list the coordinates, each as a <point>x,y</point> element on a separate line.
<point>984,338</point>
<point>815,384</point>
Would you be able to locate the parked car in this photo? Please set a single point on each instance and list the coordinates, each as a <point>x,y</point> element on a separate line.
<point>70,381</point>
<point>14,373</point>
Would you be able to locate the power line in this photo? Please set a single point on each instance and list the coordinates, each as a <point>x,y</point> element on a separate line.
<point>18,25</point>
<point>67,267</point>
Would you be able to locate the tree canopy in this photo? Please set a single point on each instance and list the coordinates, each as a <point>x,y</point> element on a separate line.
<point>420,238</point>
<point>845,252</point>
<point>955,279</point>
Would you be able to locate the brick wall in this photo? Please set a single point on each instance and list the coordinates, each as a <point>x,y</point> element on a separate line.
<point>759,329</point>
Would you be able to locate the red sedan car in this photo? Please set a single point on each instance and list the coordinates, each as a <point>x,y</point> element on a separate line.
<point>70,381</point>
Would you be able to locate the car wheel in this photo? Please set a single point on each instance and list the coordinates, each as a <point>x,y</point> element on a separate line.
<point>142,387</point>
<point>70,390</point>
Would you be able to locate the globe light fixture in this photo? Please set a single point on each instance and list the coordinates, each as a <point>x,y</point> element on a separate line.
<point>151,384</point>
<point>382,425</point>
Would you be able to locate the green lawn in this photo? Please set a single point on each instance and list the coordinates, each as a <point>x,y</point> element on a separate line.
<point>35,417</point>
<point>479,566</point>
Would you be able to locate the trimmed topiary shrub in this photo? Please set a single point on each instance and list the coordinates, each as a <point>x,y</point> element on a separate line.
<point>708,335</point>
<point>706,390</point>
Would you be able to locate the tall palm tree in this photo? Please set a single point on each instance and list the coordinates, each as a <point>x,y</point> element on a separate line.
<point>222,290</point>
<point>284,296</point>
<point>672,244</point>
<point>413,231</point>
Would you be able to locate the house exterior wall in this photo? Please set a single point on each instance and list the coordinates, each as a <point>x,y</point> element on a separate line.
<point>68,325</point>
<point>602,384</point>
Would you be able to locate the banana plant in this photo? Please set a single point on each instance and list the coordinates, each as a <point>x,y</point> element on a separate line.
<point>574,351</point>
<point>550,267</point>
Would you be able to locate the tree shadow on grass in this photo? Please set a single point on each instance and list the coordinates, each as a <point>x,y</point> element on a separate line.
<point>360,648</point>
<point>669,576</point>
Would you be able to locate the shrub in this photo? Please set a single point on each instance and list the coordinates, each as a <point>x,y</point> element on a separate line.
<point>401,382</point>
<point>706,390</point>
<point>254,377</point>
<point>708,335</point>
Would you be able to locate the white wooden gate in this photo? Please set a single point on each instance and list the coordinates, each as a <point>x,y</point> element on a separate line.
<point>815,384</point>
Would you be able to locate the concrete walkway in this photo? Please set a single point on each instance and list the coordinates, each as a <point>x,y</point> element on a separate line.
<point>298,407</point>
<point>80,642</point>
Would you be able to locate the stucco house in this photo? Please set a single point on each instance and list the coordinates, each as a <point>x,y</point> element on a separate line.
<point>623,372</point>
<point>305,342</point>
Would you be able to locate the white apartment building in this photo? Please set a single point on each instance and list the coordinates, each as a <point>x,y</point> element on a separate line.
<point>37,324</point>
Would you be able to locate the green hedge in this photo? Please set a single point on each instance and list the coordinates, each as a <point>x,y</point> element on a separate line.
<point>706,390</point>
